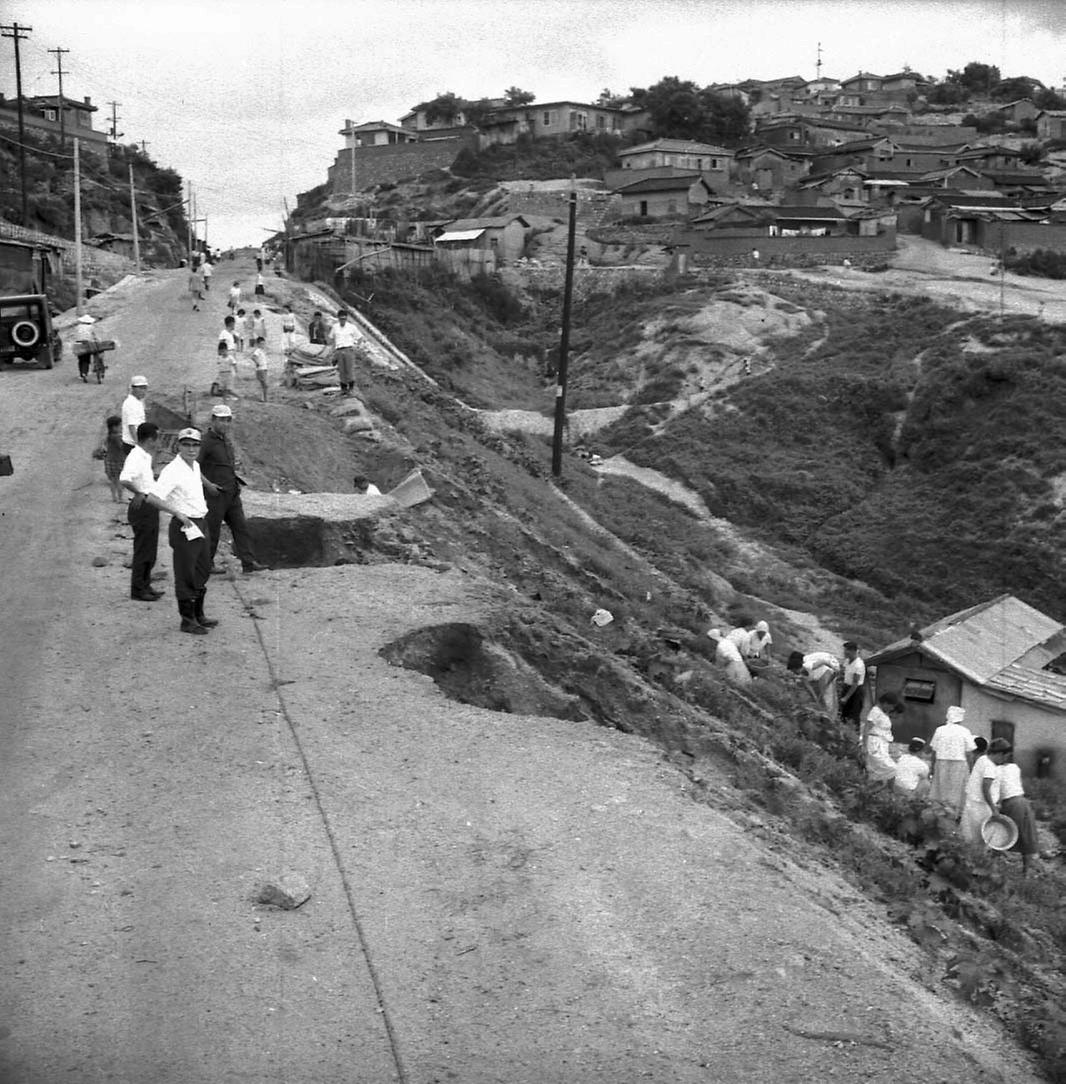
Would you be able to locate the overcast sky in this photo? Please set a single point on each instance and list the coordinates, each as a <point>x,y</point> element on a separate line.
<point>245,97</point>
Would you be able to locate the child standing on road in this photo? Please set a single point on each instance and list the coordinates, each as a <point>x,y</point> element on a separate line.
<point>262,368</point>
<point>288,328</point>
<point>234,296</point>
<point>240,325</point>
<point>114,456</point>
<point>259,326</point>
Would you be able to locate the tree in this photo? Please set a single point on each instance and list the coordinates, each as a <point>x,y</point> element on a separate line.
<point>727,119</point>
<point>1019,86</point>
<point>609,99</point>
<point>976,77</point>
<point>675,107</point>
<point>477,112</point>
<point>445,107</point>
<point>517,96</point>
<point>1046,98</point>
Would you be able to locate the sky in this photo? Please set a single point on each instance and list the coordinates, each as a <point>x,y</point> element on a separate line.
<point>245,98</point>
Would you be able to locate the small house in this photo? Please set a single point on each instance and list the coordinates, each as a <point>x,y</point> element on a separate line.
<point>663,197</point>
<point>713,162</point>
<point>502,237</point>
<point>1051,124</point>
<point>375,133</point>
<point>1003,662</point>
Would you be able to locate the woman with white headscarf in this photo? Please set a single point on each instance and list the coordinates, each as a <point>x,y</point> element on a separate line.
<point>952,749</point>
<point>728,656</point>
<point>760,643</point>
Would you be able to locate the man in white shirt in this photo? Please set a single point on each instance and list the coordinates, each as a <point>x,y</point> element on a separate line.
<point>952,749</point>
<point>207,270</point>
<point>851,699</point>
<point>727,655</point>
<point>143,517</point>
<point>179,490</point>
<point>133,412</point>
<point>343,337</point>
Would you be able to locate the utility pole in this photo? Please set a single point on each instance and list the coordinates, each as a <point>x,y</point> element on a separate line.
<point>18,32</point>
<point>144,148</point>
<point>62,111</point>
<point>133,215</point>
<point>188,220</point>
<point>818,65</point>
<point>564,342</point>
<point>80,292</point>
<point>115,133</point>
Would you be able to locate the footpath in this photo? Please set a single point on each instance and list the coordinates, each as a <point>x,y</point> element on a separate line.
<point>495,898</point>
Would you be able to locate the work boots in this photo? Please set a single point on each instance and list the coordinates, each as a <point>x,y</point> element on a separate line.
<point>198,612</point>
<point>187,609</point>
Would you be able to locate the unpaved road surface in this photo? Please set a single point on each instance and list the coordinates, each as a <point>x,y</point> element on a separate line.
<point>496,898</point>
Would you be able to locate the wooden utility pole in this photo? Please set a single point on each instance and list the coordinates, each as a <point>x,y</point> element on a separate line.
<point>144,148</point>
<point>17,32</point>
<point>189,212</point>
<point>133,215</point>
<point>77,227</point>
<point>115,133</point>
<point>564,342</point>
<point>62,111</point>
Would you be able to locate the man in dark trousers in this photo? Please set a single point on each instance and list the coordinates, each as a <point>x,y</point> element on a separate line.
<point>143,516</point>
<point>218,463</point>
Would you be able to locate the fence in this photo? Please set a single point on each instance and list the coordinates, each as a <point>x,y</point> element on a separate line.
<point>97,263</point>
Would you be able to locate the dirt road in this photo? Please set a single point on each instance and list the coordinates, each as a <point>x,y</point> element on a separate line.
<point>496,898</point>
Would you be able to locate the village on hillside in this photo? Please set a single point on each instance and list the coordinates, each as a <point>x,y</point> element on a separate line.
<point>808,171</point>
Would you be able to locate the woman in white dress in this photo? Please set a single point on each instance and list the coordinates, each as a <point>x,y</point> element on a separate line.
<point>876,737</point>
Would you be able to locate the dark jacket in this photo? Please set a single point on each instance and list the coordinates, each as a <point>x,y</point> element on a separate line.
<point>218,462</point>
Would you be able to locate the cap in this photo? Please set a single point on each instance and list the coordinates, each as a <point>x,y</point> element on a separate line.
<point>189,434</point>
<point>138,382</point>
<point>220,410</point>
<point>86,319</point>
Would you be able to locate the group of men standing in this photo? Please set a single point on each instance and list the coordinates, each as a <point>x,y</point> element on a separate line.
<point>199,489</point>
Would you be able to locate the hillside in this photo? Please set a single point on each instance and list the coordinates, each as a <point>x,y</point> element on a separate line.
<point>105,196</point>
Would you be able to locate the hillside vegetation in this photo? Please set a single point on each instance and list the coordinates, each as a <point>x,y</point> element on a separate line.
<point>105,195</point>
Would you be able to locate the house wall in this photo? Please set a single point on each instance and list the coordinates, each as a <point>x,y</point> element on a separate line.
<point>1035,729</point>
<point>783,250</point>
<point>389,164</point>
<point>658,204</point>
<point>89,138</point>
<point>1051,127</point>
<point>593,207</point>
<point>554,120</point>
<point>920,718</point>
<point>716,167</point>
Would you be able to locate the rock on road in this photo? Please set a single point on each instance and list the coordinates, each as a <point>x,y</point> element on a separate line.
<point>495,898</point>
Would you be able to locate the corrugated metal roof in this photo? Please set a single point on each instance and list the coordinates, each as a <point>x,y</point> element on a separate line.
<point>1041,686</point>
<point>459,235</point>
<point>982,641</point>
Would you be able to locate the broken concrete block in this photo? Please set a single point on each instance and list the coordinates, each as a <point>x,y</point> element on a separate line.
<point>358,424</point>
<point>351,406</point>
<point>288,891</point>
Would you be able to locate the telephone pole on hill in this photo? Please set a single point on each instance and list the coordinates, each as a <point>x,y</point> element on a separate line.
<point>115,133</point>
<point>59,71</point>
<point>18,32</point>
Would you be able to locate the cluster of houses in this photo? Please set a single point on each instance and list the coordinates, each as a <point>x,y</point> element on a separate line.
<point>830,166</point>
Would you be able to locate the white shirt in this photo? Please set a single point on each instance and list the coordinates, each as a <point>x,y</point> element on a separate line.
<point>854,671</point>
<point>910,771</point>
<point>727,651</point>
<point>342,335</point>
<point>226,336</point>
<point>818,662</point>
<point>259,357</point>
<point>207,269</point>
<point>137,470</point>
<point>742,638</point>
<point>983,769</point>
<point>1010,781</point>
<point>235,293</point>
<point>182,487</point>
<point>952,741</point>
<point>288,321</point>
<point>759,642</point>
<point>132,414</point>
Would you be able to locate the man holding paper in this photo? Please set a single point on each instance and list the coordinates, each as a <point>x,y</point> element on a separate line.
<point>179,490</point>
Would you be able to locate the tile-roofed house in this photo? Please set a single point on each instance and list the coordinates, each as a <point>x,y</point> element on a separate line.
<point>661,197</point>
<point>1051,124</point>
<point>994,660</point>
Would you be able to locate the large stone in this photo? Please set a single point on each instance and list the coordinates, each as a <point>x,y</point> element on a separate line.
<point>288,891</point>
<point>349,406</point>
<point>360,423</point>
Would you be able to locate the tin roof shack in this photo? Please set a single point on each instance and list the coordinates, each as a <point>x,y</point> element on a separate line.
<point>473,245</point>
<point>1001,661</point>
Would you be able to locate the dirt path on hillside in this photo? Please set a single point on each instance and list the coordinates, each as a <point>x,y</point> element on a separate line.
<point>953,278</point>
<point>495,897</point>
